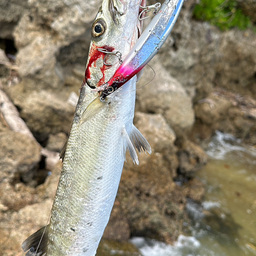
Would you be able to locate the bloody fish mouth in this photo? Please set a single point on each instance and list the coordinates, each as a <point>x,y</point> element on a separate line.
<point>97,54</point>
<point>104,57</point>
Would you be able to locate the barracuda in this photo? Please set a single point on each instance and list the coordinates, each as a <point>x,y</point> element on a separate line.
<point>102,128</point>
<point>95,151</point>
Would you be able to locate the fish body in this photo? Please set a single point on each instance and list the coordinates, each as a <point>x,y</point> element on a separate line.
<point>91,174</point>
<point>98,140</point>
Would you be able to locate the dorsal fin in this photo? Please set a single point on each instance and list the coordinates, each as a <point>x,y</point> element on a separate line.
<point>36,243</point>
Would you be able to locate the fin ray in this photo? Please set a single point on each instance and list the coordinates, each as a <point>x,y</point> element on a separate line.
<point>130,147</point>
<point>92,109</point>
<point>36,243</point>
<point>139,141</point>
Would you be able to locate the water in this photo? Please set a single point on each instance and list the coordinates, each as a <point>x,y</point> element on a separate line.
<point>225,223</point>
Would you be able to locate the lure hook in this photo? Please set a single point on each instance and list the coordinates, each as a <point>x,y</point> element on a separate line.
<point>116,53</point>
<point>146,9</point>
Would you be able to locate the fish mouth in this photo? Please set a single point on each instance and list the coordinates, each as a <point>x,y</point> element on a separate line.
<point>103,59</point>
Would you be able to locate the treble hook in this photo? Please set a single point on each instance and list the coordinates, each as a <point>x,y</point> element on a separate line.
<point>147,9</point>
<point>117,54</point>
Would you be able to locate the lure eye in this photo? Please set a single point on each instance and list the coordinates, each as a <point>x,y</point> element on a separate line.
<point>98,28</point>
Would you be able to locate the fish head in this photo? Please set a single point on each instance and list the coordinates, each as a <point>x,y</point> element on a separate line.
<point>114,32</point>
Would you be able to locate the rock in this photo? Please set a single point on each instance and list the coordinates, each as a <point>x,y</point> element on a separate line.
<point>165,95</point>
<point>17,226</point>
<point>249,8</point>
<point>211,109</point>
<point>190,53</point>
<point>160,136</point>
<point>15,197</point>
<point>228,112</point>
<point>43,112</point>
<point>44,70</point>
<point>44,31</point>
<point>118,227</point>
<point>10,13</point>
<point>236,70</point>
<point>191,157</point>
<point>19,157</point>
<point>56,142</point>
<point>196,190</point>
<point>3,125</point>
<point>49,187</point>
<point>200,56</point>
<point>109,248</point>
<point>240,120</point>
<point>150,200</point>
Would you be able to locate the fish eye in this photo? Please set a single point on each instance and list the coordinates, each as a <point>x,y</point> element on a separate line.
<point>98,28</point>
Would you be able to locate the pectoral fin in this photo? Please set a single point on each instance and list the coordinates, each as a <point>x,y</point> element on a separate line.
<point>93,108</point>
<point>36,243</point>
<point>136,141</point>
<point>130,147</point>
<point>139,141</point>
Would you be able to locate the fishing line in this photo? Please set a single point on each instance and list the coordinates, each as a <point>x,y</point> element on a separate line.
<point>154,75</point>
<point>42,236</point>
<point>144,85</point>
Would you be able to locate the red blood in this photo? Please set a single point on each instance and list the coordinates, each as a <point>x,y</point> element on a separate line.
<point>94,55</point>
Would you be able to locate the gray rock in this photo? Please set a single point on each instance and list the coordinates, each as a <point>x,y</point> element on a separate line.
<point>118,227</point>
<point>44,69</point>
<point>44,112</point>
<point>212,109</point>
<point>200,56</point>
<point>160,136</point>
<point>10,13</point>
<point>56,142</point>
<point>189,55</point>
<point>41,33</point>
<point>25,222</point>
<point>236,69</point>
<point>191,157</point>
<point>19,156</point>
<point>165,95</point>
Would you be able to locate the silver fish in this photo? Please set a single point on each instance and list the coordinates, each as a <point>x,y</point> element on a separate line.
<point>100,135</point>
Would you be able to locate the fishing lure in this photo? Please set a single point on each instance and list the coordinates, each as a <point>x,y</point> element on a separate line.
<point>146,47</point>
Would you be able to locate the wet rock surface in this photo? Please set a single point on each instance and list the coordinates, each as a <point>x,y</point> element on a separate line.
<point>204,81</point>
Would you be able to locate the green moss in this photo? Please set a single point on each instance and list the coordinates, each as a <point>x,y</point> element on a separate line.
<point>225,14</point>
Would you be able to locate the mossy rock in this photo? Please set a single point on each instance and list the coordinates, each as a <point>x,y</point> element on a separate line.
<point>224,14</point>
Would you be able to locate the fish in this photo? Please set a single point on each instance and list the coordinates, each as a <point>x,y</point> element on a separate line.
<point>146,47</point>
<point>96,148</point>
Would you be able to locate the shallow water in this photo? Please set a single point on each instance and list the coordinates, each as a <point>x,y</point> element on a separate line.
<point>225,224</point>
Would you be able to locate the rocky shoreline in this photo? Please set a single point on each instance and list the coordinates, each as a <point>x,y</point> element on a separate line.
<point>205,80</point>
